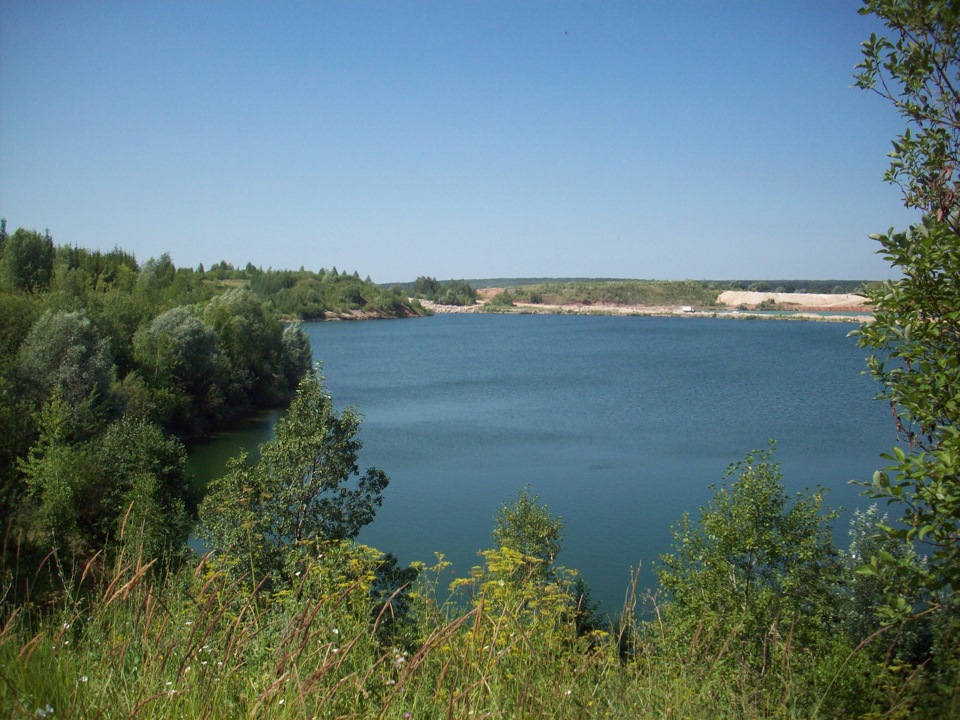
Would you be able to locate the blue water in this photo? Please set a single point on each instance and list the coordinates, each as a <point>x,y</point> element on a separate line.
<point>620,424</point>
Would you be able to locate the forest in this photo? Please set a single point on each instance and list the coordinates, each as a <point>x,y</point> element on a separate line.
<point>108,366</point>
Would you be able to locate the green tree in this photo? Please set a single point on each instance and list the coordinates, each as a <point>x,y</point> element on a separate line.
<point>249,341</point>
<point>528,532</point>
<point>501,300</point>
<point>864,611</point>
<point>176,356</point>
<point>527,527</point>
<point>305,488</point>
<point>17,315</point>
<point>63,350</point>
<point>916,328</point>
<point>296,353</point>
<point>27,261</point>
<point>57,474</point>
<point>140,485</point>
<point>758,567</point>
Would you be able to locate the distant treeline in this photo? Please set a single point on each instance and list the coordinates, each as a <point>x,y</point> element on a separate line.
<point>316,295</point>
<point>618,292</point>
<point>565,291</point>
<point>810,286</point>
<point>449,292</point>
<point>797,286</point>
<point>699,293</point>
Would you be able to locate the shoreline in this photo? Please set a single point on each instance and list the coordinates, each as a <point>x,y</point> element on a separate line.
<point>808,314</point>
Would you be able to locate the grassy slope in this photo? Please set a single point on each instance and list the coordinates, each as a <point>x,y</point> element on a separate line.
<point>138,643</point>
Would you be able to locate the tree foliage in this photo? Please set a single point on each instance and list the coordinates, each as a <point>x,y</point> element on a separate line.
<point>27,260</point>
<point>63,350</point>
<point>249,344</point>
<point>141,487</point>
<point>757,567</point>
<point>305,488</point>
<point>918,71</point>
<point>527,527</point>
<point>176,355</point>
<point>453,292</point>
<point>57,474</point>
<point>916,331</point>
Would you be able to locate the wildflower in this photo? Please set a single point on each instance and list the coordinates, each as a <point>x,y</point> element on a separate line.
<point>281,699</point>
<point>336,631</point>
<point>297,573</point>
<point>66,626</point>
<point>189,623</point>
<point>336,650</point>
<point>83,678</point>
<point>407,716</point>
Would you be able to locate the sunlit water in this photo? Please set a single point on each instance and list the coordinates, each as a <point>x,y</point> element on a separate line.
<point>620,424</point>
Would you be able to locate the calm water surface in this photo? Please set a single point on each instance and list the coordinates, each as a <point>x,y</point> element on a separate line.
<point>620,424</point>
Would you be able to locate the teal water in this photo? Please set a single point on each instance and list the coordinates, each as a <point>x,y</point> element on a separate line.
<point>620,424</point>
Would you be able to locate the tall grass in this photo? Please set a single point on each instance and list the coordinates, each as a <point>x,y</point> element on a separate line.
<point>125,638</point>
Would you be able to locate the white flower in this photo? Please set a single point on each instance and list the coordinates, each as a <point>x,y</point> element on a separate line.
<point>83,678</point>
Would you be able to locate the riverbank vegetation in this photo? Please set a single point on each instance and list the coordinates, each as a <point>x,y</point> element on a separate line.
<point>105,365</point>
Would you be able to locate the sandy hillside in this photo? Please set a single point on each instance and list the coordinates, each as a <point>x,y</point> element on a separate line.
<point>821,301</point>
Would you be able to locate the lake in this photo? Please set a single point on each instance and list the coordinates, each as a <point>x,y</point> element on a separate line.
<point>619,424</point>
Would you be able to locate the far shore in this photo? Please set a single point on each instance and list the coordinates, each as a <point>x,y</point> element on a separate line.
<point>730,305</point>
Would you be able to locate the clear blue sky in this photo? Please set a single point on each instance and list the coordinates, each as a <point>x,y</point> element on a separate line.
<point>455,139</point>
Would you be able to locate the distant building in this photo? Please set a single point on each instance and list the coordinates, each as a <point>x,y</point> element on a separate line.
<point>686,308</point>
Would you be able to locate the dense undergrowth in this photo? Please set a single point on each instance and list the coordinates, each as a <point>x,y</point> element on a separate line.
<point>128,639</point>
<point>121,635</point>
